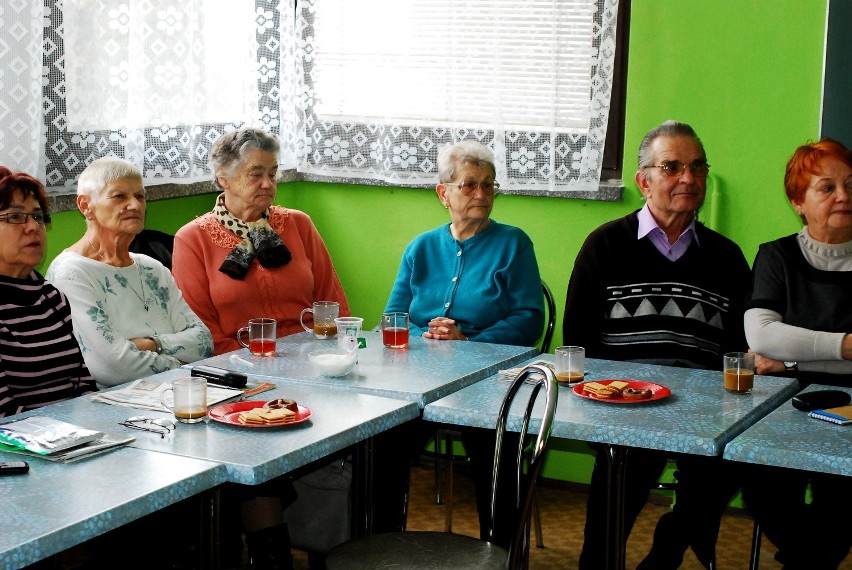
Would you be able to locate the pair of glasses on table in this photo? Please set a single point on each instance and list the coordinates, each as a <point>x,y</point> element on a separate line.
<point>159,425</point>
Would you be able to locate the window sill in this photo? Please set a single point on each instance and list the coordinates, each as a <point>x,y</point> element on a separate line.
<point>608,191</point>
<point>68,202</point>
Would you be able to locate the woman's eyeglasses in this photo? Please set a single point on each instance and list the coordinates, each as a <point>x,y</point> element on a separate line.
<point>160,425</point>
<point>468,187</point>
<point>21,218</point>
<point>699,168</point>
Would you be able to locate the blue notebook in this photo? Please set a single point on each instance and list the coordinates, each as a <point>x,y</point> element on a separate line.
<point>841,415</point>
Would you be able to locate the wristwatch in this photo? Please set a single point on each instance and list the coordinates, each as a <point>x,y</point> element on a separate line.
<point>157,343</point>
<point>791,366</point>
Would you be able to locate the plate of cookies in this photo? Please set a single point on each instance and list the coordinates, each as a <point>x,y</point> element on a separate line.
<point>621,391</point>
<point>261,414</point>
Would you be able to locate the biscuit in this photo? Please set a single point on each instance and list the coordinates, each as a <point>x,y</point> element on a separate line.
<point>599,390</point>
<point>266,416</point>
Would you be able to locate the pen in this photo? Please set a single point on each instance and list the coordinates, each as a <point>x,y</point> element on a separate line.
<point>235,358</point>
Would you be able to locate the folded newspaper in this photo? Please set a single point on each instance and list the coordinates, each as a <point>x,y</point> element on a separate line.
<point>512,373</point>
<point>146,395</point>
<point>56,440</point>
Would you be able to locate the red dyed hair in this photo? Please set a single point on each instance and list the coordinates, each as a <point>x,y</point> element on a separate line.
<point>11,182</point>
<point>806,161</point>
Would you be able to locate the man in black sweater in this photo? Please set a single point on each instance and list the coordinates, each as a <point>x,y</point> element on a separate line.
<point>657,286</point>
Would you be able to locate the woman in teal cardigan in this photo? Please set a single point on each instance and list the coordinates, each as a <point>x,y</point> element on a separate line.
<point>474,278</point>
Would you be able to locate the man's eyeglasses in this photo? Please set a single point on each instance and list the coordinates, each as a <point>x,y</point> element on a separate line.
<point>159,425</point>
<point>699,168</point>
<point>468,187</point>
<point>21,218</point>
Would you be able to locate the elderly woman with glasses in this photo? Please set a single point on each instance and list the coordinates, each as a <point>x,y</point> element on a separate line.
<point>129,315</point>
<point>474,278</point>
<point>40,360</point>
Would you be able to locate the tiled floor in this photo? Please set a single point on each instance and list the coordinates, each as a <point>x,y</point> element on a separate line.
<point>562,514</point>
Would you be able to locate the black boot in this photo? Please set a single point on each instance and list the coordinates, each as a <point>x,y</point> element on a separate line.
<point>269,549</point>
<point>668,548</point>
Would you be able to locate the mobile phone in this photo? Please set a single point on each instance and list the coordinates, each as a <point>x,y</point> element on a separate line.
<point>13,467</point>
<point>220,376</point>
<point>820,399</point>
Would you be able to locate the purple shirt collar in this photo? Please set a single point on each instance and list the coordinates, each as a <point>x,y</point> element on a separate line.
<point>648,226</point>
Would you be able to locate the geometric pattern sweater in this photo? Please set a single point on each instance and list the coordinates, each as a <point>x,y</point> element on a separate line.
<point>627,301</point>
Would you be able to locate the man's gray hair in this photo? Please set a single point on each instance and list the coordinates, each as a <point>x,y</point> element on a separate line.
<point>230,149</point>
<point>101,172</point>
<point>667,129</point>
<point>466,151</point>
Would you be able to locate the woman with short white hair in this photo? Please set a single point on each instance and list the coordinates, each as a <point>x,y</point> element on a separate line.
<point>129,316</point>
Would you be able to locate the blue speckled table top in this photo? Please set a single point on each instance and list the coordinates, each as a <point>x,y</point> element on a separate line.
<point>422,373</point>
<point>254,455</point>
<point>56,506</point>
<point>787,437</point>
<point>699,417</point>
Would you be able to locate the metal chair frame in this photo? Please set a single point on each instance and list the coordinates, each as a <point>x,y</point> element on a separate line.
<point>527,463</point>
<point>444,454</point>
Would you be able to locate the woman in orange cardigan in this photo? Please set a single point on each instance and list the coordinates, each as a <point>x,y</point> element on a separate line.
<point>248,258</point>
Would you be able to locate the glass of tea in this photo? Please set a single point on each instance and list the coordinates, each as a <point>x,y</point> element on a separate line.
<point>738,372</point>
<point>261,333</point>
<point>324,313</point>
<point>395,330</point>
<point>570,363</point>
<point>189,399</point>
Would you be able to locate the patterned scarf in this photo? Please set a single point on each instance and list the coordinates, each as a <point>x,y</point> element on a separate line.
<point>258,240</point>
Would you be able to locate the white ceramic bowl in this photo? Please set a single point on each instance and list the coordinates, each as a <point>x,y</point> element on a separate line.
<point>333,362</point>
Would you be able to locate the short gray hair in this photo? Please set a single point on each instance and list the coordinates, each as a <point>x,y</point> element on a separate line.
<point>667,129</point>
<point>101,172</point>
<point>230,149</point>
<point>466,151</point>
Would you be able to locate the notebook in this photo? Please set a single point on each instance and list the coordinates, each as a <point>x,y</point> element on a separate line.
<point>841,415</point>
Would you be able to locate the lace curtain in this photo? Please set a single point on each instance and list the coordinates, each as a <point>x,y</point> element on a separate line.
<point>158,82</point>
<point>358,91</point>
<point>20,86</point>
<point>386,83</point>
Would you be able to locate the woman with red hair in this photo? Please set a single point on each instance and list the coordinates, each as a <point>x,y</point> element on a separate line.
<point>40,360</point>
<point>799,323</point>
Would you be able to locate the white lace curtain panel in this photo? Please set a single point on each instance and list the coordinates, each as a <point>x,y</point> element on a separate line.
<point>362,91</point>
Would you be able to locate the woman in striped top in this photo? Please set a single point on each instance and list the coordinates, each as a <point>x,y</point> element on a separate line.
<point>40,360</point>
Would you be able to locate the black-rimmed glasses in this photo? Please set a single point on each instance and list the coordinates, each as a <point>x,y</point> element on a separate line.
<point>159,425</point>
<point>468,187</point>
<point>21,217</point>
<point>699,168</point>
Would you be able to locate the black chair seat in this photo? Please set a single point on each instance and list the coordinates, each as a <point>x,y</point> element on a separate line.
<point>399,550</point>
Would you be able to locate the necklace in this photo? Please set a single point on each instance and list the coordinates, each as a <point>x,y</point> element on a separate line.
<point>141,286</point>
<point>138,272</point>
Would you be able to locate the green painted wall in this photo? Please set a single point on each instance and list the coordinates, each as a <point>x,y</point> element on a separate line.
<point>745,73</point>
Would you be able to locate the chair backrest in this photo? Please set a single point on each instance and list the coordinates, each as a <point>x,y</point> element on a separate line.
<point>528,459</point>
<point>551,318</point>
<point>156,244</point>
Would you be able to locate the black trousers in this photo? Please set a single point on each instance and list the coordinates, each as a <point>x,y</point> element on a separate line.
<point>705,487</point>
<point>394,451</point>
<point>813,536</point>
